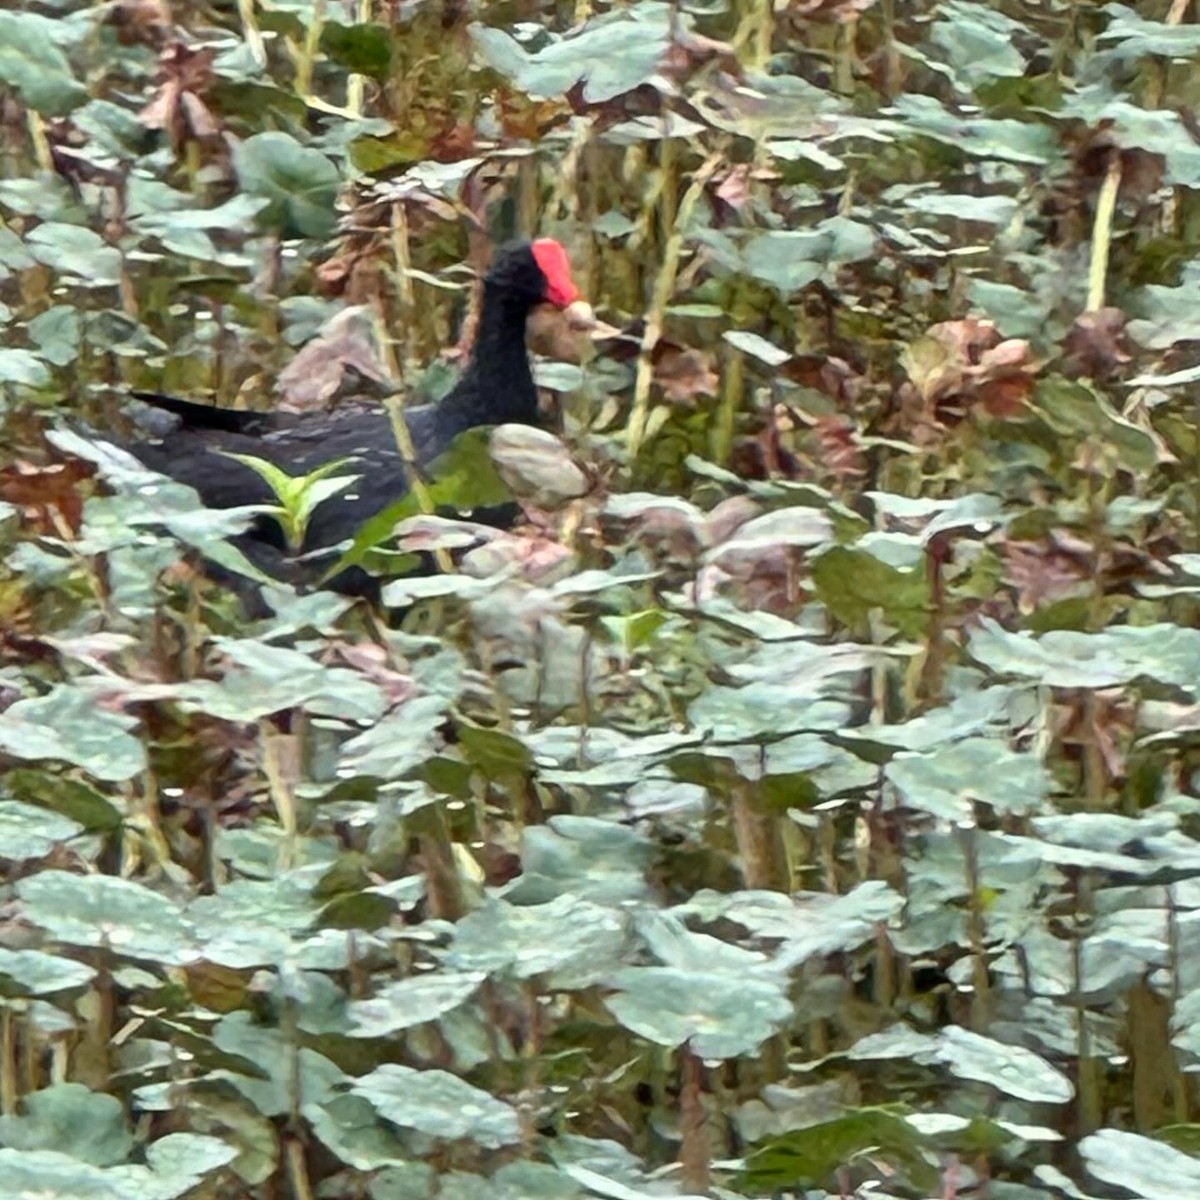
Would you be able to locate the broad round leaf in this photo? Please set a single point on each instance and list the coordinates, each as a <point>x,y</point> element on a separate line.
<point>537,466</point>
<point>69,1114</point>
<point>33,973</point>
<point>719,1015</point>
<point>101,910</point>
<point>574,942</point>
<point>35,67</point>
<point>439,1104</point>
<point>302,184</point>
<point>30,832</point>
<point>1142,1165</point>
<point>410,1002</point>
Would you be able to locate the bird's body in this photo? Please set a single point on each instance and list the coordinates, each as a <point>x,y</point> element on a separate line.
<point>496,387</point>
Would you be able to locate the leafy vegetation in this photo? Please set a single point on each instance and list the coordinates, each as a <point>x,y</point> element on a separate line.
<point>803,799</point>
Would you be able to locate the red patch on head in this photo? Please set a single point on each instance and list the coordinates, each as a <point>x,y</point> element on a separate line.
<point>552,261</point>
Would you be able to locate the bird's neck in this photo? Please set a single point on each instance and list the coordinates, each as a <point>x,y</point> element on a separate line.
<point>497,385</point>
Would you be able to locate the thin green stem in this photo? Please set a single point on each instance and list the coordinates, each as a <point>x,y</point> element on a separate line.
<point>1106,205</point>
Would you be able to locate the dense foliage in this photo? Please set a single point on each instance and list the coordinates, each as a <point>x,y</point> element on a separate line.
<point>803,798</point>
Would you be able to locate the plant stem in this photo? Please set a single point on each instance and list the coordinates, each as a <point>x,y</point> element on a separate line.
<point>732,381</point>
<point>251,32</point>
<point>694,1150</point>
<point>394,404</point>
<point>356,84</point>
<point>1106,205</point>
<point>8,1061</point>
<point>843,64</point>
<point>308,52</point>
<point>41,146</point>
<point>663,286</point>
<point>281,792</point>
<point>297,1171</point>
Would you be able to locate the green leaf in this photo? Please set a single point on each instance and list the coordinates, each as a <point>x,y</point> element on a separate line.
<point>399,743</point>
<point>13,254</point>
<point>49,1175</point>
<point>574,942</point>
<point>168,215</point>
<point>56,333</point>
<point>66,724</point>
<point>494,750</point>
<point>757,347</point>
<point>1018,313</point>
<point>1012,1070</point>
<point>251,922</point>
<point>1138,37</point>
<point>351,1129</point>
<point>1166,653</point>
<point>852,583</point>
<point>980,137</point>
<point>32,973</point>
<point>816,1153</point>
<point>613,53</point>
<point>261,679</point>
<point>410,1002</point>
<point>302,184</point>
<point>979,43</point>
<point>1147,131</point>
<point>35,67</point>
<point>461,479</point>
<point>276,478</point>
<point>438,1104</point>
<point>363,49</point>
<point>587,857</point>
<point>180,1161</point>
<point>23,367</point>
<point>809,924</point>
<point>298,495</point>
<point>69,1114</point>
<point>29,832</point>
<point>42,194</point>
<point>100,910</point>
<point>76,252</point>
<point>286,1065</point>
<point>73,798</point>
<point>720,1014</point>
<point>250,1143</point>
<point>785,261</point>
<point>410,1181</point>
<point>790,260</point>
<point>950,779</point>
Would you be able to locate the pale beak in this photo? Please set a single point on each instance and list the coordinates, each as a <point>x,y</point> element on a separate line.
<point>581,319</point>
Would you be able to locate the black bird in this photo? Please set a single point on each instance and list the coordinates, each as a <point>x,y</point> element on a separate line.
<point>496,387</point>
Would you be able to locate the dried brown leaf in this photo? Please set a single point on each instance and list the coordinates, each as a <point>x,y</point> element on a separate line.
<point>841,453</point>
<point>49,497</point>
<point>141,22</point>
<point>1095,346</point>
<point>734,189</point>
<point>374,663</point>
<point>1042,573</point>
<point>184,75</point>
<point>343,353</point>
<point>960,365</point>
<point>837,11</point>
<point>683,373</point>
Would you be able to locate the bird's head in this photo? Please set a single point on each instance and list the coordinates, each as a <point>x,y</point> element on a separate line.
<point>538,270</point>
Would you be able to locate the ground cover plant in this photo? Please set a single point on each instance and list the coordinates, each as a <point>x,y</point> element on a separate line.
<point>801,798</point>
